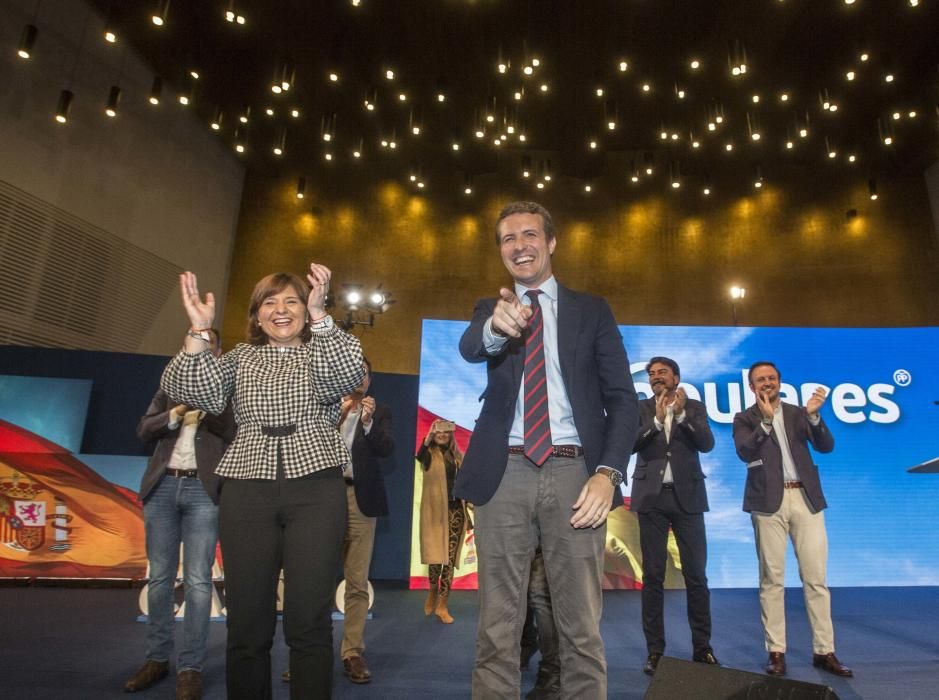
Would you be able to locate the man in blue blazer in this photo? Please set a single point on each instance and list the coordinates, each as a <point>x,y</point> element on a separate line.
<point>668,493</point>
<point>544,463</point>
<point>784,497</point>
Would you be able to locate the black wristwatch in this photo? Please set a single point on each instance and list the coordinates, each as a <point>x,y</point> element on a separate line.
<point>615,477</point>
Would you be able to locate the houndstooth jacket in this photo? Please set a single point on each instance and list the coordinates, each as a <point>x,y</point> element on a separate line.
<point>272,387</point>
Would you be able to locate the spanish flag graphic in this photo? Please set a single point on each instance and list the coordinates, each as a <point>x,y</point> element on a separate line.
<point>60,518</point>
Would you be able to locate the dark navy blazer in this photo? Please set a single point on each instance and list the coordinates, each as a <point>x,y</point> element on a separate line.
<point>687,439</point>
<point>368,479</point>
<point>595,371</point>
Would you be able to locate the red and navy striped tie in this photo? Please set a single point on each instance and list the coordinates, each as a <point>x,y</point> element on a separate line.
<point>537,424</point>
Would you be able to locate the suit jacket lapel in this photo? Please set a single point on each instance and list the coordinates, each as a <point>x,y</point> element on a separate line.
<point>790,417</point>
<point>569,318</point>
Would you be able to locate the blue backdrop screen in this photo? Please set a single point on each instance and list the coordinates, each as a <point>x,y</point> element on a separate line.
<point>882,411</point>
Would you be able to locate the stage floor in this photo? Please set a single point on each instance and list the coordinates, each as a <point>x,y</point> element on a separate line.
<point>78,643</point>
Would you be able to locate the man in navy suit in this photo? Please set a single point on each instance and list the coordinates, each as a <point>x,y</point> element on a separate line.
<point>668,493</point>
<point>784,497</point>
<point>544,463</point>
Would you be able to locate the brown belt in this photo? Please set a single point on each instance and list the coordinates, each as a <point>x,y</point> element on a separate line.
<point>569,451</point>
<point>182,473</point>
<point>792,484</point>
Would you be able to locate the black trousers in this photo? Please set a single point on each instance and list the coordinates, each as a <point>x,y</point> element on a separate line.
<point>692,549</point>
<point>297,525</point>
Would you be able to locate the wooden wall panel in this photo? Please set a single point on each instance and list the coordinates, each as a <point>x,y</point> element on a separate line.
<point>659,258</point>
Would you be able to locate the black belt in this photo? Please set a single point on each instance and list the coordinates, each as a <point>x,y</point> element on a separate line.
<point>569,451</point>
<point>669,486</point>
<point>792,484</point>
<point>278,430</point>
<point>182,473</point>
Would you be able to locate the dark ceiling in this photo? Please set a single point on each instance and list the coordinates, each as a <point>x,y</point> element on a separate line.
<point>453,47</point>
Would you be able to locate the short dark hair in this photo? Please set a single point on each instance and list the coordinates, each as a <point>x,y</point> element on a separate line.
<point>527,208</point>
<point>667,361</point>
<point>760,364</point>
<point>268,287</point>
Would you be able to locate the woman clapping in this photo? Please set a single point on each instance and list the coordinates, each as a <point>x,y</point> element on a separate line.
<point>283,503</point>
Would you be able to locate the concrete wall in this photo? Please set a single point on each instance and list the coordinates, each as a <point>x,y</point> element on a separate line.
<point>155,177</point>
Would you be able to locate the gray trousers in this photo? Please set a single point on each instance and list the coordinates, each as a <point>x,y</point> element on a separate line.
<point>533,505</point>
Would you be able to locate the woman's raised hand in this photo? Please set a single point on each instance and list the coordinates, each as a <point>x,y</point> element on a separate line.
<point>318,278</point>
<point>201,313</point>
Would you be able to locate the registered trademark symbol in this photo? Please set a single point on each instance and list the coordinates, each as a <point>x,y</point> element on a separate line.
<point>902,378</point>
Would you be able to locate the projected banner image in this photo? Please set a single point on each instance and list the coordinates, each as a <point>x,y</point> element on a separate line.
<point>882,383</point>
<point>59,517</point>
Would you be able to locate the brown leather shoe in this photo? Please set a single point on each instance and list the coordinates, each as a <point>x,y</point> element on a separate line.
<point>776,664</point>
<point>356,669</point>
<point>189,685</point>
<point>149,673</point>
<point>829,662</point>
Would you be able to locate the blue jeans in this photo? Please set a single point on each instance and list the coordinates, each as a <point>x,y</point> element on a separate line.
<point>179,510</point>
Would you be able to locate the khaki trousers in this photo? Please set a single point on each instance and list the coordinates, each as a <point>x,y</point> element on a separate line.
<point>794,520</point>
<point>533,505</point>
<point>356,558</point>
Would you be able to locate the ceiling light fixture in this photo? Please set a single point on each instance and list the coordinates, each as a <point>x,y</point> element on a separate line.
<point>231,15</point>
<point>156,88</point>
<point>114,96</point>
<point>280,142</point>
<point>27,41</point>
<point>162,10</point>
<point>64,106</point>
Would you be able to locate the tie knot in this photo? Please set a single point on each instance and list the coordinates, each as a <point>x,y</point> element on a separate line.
<point>532,295</point>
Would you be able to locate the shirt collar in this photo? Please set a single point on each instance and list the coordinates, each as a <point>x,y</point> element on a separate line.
<point>549,288</point>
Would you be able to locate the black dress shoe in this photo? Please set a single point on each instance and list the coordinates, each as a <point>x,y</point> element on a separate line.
<point>652,663</point>
<point>547,686</point>
<point>776,664</point>
<point>829,662</point>
<point>705,656</point>
<point>149,673</point>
